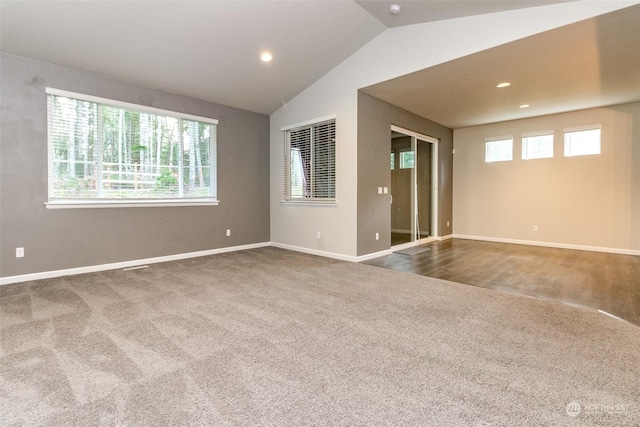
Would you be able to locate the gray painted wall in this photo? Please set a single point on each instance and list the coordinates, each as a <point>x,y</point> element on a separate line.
<point>69,238</point>
<point>375,118</point>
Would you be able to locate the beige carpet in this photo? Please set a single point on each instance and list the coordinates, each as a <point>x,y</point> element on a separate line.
<point>277,338</point>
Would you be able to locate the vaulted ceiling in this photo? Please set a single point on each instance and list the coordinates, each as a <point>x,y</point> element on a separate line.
<point>591,63</point>
<point>210,50</point>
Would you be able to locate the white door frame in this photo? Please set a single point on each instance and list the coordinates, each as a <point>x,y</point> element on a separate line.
<point>434,186</point>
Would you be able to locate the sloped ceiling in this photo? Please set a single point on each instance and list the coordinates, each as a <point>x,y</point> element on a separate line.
<point>588,64</point>
<point>415,12</point>
<point>210,50</point>
<point>203,49</point>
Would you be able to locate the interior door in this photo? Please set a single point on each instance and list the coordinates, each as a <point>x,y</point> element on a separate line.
<point>413,191</point>
<point>402,173</point>
<point>423,188</point>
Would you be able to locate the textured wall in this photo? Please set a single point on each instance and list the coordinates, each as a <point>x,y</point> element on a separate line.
<point>68,238</point>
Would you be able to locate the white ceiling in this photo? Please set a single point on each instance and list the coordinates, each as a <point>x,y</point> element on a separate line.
<point>210,50</point>
<point>415,12</point>
<point>592,63</point>
<point>204,49</point>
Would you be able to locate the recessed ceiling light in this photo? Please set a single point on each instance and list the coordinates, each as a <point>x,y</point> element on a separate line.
<point>504,84</point>
<point>266,57</point>
<point>524,106</point>
<point>395,9</point>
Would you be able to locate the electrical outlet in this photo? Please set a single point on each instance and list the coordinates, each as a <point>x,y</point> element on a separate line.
<point>448,224</point>
<point>377,236</point>
<point>228,232</point>
<point>317,234</point>
<point>535,228</point>
<point>19,252</point>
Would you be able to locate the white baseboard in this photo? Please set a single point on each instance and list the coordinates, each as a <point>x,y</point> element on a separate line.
<point>352,258</point>
<point>550,244</point>
<point>309,251</point>
<point>373,255</point>
<point>124,264</point>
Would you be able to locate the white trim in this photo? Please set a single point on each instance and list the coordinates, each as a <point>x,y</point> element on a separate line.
<point>373,255</point>
<point>310,202</point>
<point>315,252</point>
<point>124,264</point>
<point>498,138</point>
<point>582,128</point>
<point>551,244</point>
<point>537,133</point>
<point>308,122</point>
<point>142,263</point>
<point>414,134</point>
<point>435,175</point>
<point>128,105</point>
<point>119,203</point>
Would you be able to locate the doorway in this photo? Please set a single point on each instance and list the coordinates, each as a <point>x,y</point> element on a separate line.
<point>413,191</point>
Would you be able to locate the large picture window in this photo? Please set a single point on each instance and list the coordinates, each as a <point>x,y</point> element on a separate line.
<point>309,163</point>
<point>106,152</point>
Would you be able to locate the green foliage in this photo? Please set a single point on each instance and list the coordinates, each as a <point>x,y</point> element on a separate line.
<point>166,181</point>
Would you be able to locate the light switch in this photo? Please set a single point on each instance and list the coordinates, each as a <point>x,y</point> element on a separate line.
<point>385,190</point>
<point>379,190</point>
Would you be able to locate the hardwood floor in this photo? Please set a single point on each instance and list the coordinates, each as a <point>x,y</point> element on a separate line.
<point>607,282</point>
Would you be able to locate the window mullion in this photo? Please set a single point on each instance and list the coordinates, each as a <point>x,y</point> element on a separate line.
<point>286,159</point>
<point>99,148</point>
<point>180,155</point>
<point>312,180</point>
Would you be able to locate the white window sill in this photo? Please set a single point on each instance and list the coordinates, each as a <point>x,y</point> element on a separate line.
<point>92,204</point>
<point>307,202</point>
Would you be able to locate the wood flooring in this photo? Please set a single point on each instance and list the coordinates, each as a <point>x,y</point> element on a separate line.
<point>607,282</point>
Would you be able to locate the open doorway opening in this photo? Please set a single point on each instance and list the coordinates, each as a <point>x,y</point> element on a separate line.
<point>413,191</point>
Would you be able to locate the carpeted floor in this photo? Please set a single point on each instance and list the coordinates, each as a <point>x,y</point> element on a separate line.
<point>272,337</point>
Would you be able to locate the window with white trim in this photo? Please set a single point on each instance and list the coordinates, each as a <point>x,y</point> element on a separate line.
<point>499,149</point>
<point>537,146</point>
<point>582,141</point>
<point>104,151</point>
<point>407,159</point>
<point>310,161</point>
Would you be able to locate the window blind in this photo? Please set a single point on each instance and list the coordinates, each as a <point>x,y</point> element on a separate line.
<point>309,162</point>
<point>102,152</point>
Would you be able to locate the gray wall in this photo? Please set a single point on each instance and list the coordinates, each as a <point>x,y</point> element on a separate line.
<point>68,238</point>
<point>375,118</point>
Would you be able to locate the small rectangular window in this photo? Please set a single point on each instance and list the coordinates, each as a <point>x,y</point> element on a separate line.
<point>310,161</point>
<point>407,159</point>
<point>499,150</point>
<point>537,146</point>
<point>582,141</point>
